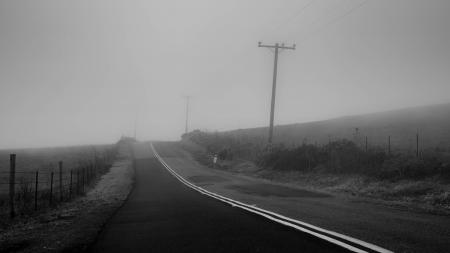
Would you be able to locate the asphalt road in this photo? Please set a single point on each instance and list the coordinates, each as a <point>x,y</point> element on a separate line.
<point>396,227</point>
<point>163,215</point>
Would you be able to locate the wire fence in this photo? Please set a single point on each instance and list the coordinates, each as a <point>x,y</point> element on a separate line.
<point>25,192</point>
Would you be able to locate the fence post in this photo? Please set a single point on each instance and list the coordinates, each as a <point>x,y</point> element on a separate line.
<point>12,182</point>
<point>60,181</point>
<point>36,190</point>
<point>70,189</point>
<point>51,188</point>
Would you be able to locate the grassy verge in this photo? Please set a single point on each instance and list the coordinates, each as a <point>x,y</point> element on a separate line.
<point>81,167</point>
<point>72,226</point>
<point>341,167</point>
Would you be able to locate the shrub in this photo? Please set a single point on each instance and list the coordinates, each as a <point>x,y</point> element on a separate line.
<point>341,156</point>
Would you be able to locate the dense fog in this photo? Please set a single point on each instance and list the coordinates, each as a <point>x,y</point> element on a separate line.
<point>85,72</point>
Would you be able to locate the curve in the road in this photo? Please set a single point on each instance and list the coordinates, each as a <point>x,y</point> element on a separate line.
<point>347,242</point>
<point>163,215</point>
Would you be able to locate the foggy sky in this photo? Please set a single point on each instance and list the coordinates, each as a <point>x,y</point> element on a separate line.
<point>81,72</point>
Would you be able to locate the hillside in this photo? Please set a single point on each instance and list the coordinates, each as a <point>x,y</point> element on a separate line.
<point>431,122</point>
<point>344,166</point>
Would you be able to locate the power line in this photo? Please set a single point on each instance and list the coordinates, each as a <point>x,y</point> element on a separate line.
<point>296,14</point>
<point>335,20</point>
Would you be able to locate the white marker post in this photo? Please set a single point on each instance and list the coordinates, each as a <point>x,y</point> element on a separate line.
<point>214,161</point>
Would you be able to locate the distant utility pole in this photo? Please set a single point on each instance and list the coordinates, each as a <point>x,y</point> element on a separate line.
<point>277,48</point>
<point>187,115</point>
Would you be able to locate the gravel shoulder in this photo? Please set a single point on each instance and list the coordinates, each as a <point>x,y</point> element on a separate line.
<point>73,226</point>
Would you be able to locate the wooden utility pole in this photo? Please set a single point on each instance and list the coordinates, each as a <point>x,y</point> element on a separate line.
<point>277,48</point>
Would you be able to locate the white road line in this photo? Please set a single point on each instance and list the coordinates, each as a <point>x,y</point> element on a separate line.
<point>299,225</point>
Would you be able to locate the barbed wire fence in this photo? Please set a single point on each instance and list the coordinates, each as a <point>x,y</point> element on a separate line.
<point>28,191</point>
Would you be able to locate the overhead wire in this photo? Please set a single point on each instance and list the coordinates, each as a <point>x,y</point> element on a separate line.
<point>287,21</point>
<point>223,69</point>
<point>333,20</point>
<point>292,17</point>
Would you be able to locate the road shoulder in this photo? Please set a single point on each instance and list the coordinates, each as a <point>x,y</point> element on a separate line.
<point>73,226</point>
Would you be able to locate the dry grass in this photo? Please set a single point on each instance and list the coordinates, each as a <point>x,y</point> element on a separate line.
<point>430,193</point>
<point>45,160</point>
<point>74,225</point>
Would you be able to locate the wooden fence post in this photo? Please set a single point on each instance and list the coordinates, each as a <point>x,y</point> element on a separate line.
<point>12,183</point>
<point>60,181</point>
<point>51,188</point>
<point>36,190</point>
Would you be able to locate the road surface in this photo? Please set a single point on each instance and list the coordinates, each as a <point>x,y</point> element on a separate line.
<point>392,227</point>
<point>164,215</point>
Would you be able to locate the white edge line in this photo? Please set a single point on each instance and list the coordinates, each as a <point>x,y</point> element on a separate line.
<point>259,211</point>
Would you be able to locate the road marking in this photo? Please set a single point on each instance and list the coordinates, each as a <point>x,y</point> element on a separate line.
<point>347,242</point>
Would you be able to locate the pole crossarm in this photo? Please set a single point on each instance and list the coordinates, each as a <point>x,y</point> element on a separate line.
<point>279,46</point>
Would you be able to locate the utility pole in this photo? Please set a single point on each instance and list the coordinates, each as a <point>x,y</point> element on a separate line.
<point>277,48</point>
<point>187,115</point>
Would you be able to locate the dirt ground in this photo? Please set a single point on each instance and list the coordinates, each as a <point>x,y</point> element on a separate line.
<point>72,226</point>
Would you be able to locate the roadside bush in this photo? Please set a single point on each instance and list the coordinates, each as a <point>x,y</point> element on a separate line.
<point>340,157</point>
<point>226,147</point>
<point>303,158</point>
<point>406,166</point>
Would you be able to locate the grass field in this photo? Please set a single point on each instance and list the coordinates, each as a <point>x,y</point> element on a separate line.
<point>45,161</point>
